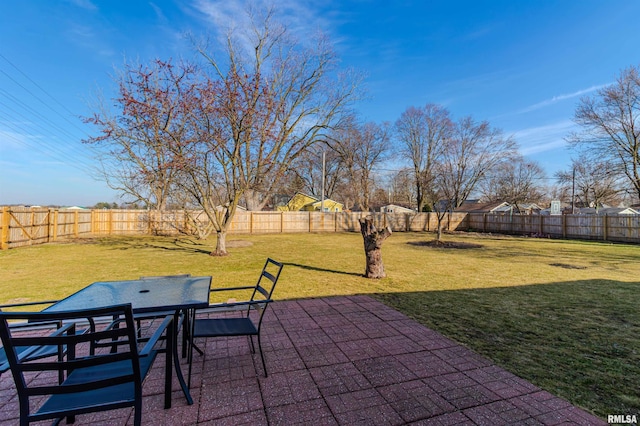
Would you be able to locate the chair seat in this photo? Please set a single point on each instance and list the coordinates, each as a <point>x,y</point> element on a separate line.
<point>74,402</point>
<point>210,327</point>
<point>260,298</point>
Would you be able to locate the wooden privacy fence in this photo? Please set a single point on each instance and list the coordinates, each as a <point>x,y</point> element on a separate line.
<point>20,226</point>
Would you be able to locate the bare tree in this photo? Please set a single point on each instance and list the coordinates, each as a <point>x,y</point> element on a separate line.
<point>473,150</point>
<point>593,183</point>
<point>611,127</point>
<point>516,182</point>
<point>423,132</point>
<point>265,106</point>
<point>307,169</point>
<point>230,131</point>
<point>402,188</point>
<point>134,141</point>
<point>361,147</point>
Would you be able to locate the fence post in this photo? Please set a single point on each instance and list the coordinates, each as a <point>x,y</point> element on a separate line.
<point>49,225</point>
<point>55,225</point>
<point>605,227</point>
<point>4,237</point>
<point>75,224</point>
<point>281,222</point>
<point>541,225</point>
<point>564,226</point>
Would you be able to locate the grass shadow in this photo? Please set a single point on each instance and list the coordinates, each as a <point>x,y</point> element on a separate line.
<point>187,245</point>
<point>317,269</point>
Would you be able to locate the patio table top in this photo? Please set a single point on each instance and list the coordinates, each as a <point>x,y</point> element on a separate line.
<point>339,361</point>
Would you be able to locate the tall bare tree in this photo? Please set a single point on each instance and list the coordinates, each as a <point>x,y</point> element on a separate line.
<point>402,189</point>
<point>423,132</point>
<point>611,126</point>
<point>516,182</point>
<point>267,105</point>
<point>307,169</point>
<point>473,150</point>
<point>231,131</point>
<point>134,140</point>
<point>593,183</point>
<point>361,147</point>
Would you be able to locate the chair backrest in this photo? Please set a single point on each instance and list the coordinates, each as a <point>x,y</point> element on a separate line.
<point>79,355</point>
<point>267,280</point>
<point>265,286</point>
<point>4,364</point>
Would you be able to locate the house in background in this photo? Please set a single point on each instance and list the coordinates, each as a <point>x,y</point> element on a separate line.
<point>394,208</point>
<point>608,211</point>
<point>498,207</point>
<point>527,208</point>
<point>304,202</point>
<point>476,207</point>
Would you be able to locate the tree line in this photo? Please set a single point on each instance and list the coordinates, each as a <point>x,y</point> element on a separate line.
<point>261,113</point>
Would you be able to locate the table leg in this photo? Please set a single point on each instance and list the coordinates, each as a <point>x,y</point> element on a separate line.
<point>186,330</point>
<point>171,342</point>
<point>176,361</point>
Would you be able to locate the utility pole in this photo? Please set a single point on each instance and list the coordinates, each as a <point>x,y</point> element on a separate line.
<point>573,192</point>
<point>323,179</point>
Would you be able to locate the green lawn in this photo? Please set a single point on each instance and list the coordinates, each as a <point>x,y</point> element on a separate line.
<point>563,314</point>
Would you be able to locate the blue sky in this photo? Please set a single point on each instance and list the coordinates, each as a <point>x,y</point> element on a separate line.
<point>522,65</point>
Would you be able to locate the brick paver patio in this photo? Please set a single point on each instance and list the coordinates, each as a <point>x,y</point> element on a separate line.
<point>340,361</point>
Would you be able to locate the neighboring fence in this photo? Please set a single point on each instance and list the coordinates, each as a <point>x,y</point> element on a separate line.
<point>21,226</point>
<point>619,228</point>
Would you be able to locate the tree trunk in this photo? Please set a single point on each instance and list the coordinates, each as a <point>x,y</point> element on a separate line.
<point>255,201</point>
<point>221,244</point>
<point>440,217</point>
<point>373,240</point>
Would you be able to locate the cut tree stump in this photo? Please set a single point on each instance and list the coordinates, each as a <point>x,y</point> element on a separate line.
<point>373,240</point>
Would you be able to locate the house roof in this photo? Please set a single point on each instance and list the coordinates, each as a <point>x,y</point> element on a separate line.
<point>607,211</point>
<point>327,200</point>
<point>396,208</point>
<point>473,207</point>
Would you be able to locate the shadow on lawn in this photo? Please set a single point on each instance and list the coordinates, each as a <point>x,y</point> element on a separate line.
<point>578,339</point>
<point>178,244</point>
<point>315,268</point>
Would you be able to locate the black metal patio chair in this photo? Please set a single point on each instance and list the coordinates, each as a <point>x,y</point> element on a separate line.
<point>96,379</point>
<point>261,296</point>
<point>32,352</point>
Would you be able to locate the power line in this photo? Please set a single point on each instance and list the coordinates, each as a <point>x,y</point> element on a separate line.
<point>37,131</point>
<point>43,91</point>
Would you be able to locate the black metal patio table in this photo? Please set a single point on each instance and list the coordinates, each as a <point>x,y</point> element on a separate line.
<point>147,296</point>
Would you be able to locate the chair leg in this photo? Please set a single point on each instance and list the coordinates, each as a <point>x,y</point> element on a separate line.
<point>137,415</point>
<point>264,365</point>
<point>190,358</point>
<point>253,347</point>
